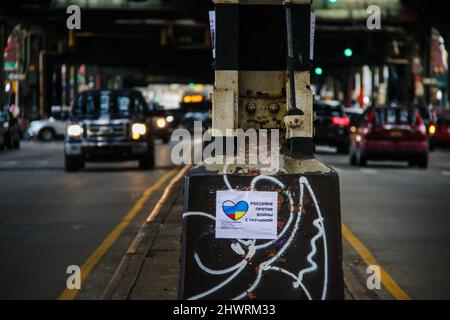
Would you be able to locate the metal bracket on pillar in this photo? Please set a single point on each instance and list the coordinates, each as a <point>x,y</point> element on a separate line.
<point>298,130</point>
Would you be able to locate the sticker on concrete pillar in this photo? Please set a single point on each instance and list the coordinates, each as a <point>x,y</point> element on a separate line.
<point>246,214</point>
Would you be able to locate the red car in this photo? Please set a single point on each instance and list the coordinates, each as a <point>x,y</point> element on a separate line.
<point>390,133</point>
<point>442,134</point>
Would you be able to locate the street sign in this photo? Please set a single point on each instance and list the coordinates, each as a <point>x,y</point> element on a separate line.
<point>16,76</point>
<point>10,65</point>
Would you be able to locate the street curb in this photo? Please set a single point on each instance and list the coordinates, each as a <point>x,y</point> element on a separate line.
<point>127,273</point>
<point>355,277</point>
<point>354,290</point>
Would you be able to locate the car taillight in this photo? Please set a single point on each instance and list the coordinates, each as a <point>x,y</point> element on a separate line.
<point>340,121</point>
<point>420,128</point>
<point>419,118</point>
<point>371,118</point>
<point>423,129</point>
<point>368,128</point>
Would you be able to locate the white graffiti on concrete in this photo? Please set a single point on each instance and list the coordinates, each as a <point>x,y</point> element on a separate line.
<point>248,248</point>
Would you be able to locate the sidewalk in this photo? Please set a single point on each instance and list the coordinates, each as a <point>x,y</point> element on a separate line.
<point>150,268</point>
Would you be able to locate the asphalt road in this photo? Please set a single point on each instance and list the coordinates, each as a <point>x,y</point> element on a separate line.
<point>402,215</point>
<point>50,219</point>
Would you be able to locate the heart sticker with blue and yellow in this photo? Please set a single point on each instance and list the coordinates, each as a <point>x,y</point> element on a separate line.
<point>235,211</point>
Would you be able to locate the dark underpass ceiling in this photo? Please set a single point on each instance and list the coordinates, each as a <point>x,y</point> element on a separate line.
<point>172,37</point>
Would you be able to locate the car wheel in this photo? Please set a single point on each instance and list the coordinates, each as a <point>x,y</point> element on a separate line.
<point>147,162</point>
<point>9,141</point>
<point>46,134</point>
<point>73,164</point>
<point>423,161</point>
<point>343,149</point>
<point>361,159</point>
<point>353,159</point>
<point>412,162</point>
<point>165,140</point>
<point>16,144</point>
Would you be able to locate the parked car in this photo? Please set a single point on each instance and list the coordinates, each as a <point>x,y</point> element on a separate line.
<point>331,125</point>
<point>442,134</point>
<point>9,131</point>
<point>390,133</point>
<point>161,121</point>
<point>190,118</point>
<point>51,128</point>
<point>109,126</point>
<point>195,106</point>
<point>355,115</point>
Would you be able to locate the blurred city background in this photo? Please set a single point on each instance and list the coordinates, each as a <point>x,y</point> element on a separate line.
<point>153,58</point>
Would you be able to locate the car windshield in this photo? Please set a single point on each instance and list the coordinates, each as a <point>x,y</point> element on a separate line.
<point>443,119</point>
<point>395,116</point>
<point>3,116</point>
<point>424,112</point>
<point>60,115</point>
<point>325,110</point>
<point>94,105</point>
<point>355,118</point>
<point>196,115</point>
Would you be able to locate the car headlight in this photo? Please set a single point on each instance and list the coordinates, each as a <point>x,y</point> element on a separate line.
<point>170,119</point>
<point>6,125</point>
<point>74,130</point>
<point>138,130</point>
<point>161,122</point>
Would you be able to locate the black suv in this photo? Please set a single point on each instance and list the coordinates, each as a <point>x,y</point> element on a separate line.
<point>331,125</point>
<point>109,125</point>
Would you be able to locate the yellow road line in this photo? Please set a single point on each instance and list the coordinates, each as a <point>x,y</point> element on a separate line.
<point>157,208</point>
<point>94,258</point>
<point>166,193</point>
<point>388,282</point>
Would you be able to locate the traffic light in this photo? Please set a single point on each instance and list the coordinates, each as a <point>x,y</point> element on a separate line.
<point>348,52</point>
<point>318,71</point>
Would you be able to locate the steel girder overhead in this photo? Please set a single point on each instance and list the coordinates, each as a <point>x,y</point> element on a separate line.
<point>159,37</point>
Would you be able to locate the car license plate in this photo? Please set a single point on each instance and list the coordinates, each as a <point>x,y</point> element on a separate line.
<point>395,134</point>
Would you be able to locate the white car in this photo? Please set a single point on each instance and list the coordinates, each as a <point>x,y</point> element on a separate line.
<point>48,129</point>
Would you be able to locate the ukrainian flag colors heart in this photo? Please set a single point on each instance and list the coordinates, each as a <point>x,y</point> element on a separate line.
<point>235,211</point>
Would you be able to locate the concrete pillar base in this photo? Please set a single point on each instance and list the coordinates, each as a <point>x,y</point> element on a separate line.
<point>304,262</point>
